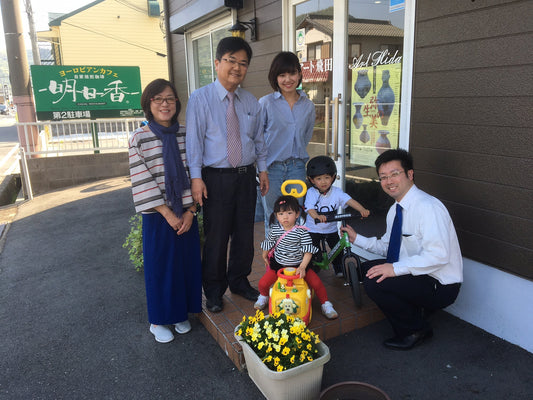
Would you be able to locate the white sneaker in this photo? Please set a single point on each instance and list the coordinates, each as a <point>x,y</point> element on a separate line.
<point>329,311</point>
<point>183,327</point>
<point>162,333</point>
<point>261,302</point>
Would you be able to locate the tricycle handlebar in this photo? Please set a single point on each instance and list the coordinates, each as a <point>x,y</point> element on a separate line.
<point>340,217</point>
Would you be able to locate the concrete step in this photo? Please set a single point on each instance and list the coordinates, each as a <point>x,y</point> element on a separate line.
<point>222,325</point>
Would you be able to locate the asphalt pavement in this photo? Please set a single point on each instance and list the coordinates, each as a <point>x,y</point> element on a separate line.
<point>74,324</point>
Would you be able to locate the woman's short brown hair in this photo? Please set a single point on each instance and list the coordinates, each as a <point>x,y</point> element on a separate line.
<point>153,89</point>
<point>284,62</point>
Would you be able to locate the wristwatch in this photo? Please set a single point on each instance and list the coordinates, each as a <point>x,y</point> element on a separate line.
<point>194,213</point>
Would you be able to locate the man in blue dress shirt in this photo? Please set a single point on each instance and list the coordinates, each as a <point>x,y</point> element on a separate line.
<point>227,192</point>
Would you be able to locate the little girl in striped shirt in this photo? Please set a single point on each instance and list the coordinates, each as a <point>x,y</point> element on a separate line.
<point>292,247</point>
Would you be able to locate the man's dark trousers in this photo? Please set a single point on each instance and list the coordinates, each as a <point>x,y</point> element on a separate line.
<point>228,214</point>
<point>403,298</point>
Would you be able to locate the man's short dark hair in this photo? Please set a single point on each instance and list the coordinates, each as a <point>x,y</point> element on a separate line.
<point>284,62</point>
<point>232,45</point>
<point>405,158</point>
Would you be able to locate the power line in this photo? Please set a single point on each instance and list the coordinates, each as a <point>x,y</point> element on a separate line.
<point>114,38</point>
<point>132,6</point>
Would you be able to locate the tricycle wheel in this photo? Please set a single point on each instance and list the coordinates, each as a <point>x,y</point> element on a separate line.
<point>353,279</point>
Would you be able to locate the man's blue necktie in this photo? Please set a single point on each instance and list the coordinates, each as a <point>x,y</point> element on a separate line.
<point>393,253</point>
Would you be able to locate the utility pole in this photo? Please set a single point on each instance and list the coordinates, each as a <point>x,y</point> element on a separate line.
<point>33,35</point>
<point>19,74</point>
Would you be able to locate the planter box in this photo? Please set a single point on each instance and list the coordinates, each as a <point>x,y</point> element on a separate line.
<point>299,383</point>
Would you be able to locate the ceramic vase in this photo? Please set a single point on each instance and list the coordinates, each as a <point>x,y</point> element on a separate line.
<point>298,383</point>
<point>383,143</point>
<point>364,136</point>
<point>385,99</point>
<point>362,84</point>
<point>357,117</point>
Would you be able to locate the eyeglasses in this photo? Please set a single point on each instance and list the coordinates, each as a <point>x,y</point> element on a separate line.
<point>393,175</point>
<point>234,63</point>
<point>161,100</point>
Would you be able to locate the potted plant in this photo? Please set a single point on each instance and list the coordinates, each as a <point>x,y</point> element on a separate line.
<point>283,357</point>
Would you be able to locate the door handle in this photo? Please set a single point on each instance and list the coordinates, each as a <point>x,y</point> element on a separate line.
<point>335,133</point>
<point>326,126</point>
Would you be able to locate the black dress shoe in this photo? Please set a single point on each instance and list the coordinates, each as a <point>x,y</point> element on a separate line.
<point>214,305</point>
<point>408,342</point>
<point>249,293</point>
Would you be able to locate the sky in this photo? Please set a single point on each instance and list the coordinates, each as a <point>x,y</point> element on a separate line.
<point>41,8</point>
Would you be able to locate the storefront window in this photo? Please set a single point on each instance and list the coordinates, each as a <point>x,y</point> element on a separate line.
<point>204,51</point>
<point>201,42</point>
<point>371,96</point>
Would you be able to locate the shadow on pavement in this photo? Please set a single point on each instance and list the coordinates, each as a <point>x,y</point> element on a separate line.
<point>74,325</point>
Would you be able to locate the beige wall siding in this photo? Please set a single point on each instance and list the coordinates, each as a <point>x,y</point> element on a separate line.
<point>268,13</point>
<point>111,33</point>
<point>471,124</point>
<point>180,72</point>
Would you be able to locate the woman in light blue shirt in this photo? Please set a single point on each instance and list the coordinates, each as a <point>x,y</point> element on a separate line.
<point>289,118</point>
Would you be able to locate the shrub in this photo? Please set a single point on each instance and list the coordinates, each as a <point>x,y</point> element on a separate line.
<point>134,240</point>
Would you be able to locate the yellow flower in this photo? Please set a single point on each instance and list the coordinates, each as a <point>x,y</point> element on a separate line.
<point>272,336</point>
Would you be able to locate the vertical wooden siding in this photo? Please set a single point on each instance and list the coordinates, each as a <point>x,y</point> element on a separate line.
<point>472,119</point>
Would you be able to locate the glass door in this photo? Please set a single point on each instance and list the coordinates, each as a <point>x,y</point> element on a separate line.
<point>353,62</point>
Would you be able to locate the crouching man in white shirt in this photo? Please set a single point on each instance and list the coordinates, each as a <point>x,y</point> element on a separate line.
<point>425,271</point>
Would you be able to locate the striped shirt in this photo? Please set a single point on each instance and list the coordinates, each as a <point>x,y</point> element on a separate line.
<point>290,250</point>
<point>147,170</point>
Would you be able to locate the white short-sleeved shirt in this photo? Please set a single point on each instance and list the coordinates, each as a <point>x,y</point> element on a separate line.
<point>334,199</point>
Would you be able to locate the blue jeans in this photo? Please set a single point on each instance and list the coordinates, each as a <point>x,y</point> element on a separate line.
<point>279,172</point>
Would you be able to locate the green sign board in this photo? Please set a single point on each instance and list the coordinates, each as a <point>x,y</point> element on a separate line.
<point>64,92</point>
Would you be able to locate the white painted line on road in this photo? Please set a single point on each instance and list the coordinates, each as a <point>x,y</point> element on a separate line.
<point>14,168</point>
<point>9,155</point>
